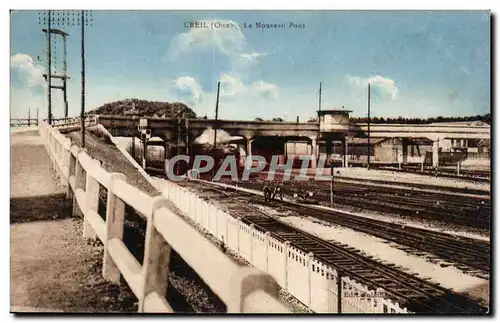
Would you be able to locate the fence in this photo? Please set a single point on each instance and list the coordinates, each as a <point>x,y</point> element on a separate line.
<point>20,122</point>
<point>242,289</point>
<point>73,123</point>
<point>312,282</point>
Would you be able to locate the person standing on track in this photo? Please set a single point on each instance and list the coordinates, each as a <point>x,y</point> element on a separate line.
<point>267,192</point>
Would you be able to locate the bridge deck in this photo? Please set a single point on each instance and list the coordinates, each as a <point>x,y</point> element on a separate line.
<point>51,265</point>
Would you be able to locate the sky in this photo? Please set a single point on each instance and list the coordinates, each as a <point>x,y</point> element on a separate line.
<point>419,63</point>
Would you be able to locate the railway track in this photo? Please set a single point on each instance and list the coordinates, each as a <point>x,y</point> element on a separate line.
<point>471,254</point>
<point>470,212</point>
<point>379,183</point>
<point>477,176</point>
<point>418,295</point>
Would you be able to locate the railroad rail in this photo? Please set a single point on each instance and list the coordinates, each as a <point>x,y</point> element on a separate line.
<point>419,296</point>
<point>472,254</point>
<point>465,211</point>
<point>465,174</point>
<point>414,186</point>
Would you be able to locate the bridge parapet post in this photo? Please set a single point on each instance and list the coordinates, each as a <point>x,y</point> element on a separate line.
<point>345,152</point>
<point>249,145</point>
<point>405,142</point>
<point>314,152</point>
<point>435,153</point>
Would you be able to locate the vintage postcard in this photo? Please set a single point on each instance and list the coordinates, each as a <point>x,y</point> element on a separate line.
<point>250,161</point>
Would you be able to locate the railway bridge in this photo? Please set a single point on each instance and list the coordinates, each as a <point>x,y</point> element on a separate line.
<point>333,126</point>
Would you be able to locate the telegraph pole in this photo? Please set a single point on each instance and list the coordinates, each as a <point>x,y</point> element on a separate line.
<point>316,152</point>
<point>331,184</point>
<point>215,129</point>
<point>65,78</point>
<point>178,141</point>
<point>369,146</point>
<point>186,121</point>
<point>216,114</point>
<point>49,72</point>
<point>62,19</point>
<point>319,108</point>
<point>82,110</point>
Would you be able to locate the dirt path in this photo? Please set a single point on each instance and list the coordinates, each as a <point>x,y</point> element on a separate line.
<point>52,267</point>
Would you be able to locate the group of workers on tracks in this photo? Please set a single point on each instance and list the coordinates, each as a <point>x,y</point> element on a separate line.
<point>271,192</point>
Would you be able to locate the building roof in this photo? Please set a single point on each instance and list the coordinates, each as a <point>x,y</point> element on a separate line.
<point>333,111</point>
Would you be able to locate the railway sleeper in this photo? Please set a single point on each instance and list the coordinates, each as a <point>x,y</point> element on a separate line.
<point>341,263</point>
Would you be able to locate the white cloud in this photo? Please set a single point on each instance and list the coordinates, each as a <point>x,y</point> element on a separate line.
<point>355,80</point>
<point>244,61</point>
<point>381,87</point>
<point>236,97</point>
<point>231,85</point>
<point>235,83</point>
<point>22,100</point>
<point>265,90</point>
<point>188,89</point>
<point>228,41</point>
<point>28,72</point>
<point>251,56</point>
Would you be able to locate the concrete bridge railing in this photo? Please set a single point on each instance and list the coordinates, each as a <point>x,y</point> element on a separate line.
<point>242,289</point>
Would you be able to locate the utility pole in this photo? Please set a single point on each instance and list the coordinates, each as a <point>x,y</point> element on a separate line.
<point>144,150</point>
<point>64,77</point>
<point>215,130</point>
<point>216,115</point>
<point>331,184</point>
<point>319,124</point>
<point>319,108</point>
<point>369,144</point>
<point>82,110</point>
<point>49,72</point>
<point>29,117</point>
<point>178,141</point>
<point>133,145</point>
<point>186,121</point>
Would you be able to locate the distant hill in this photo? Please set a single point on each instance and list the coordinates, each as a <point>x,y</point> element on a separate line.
<point>144,108</point>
